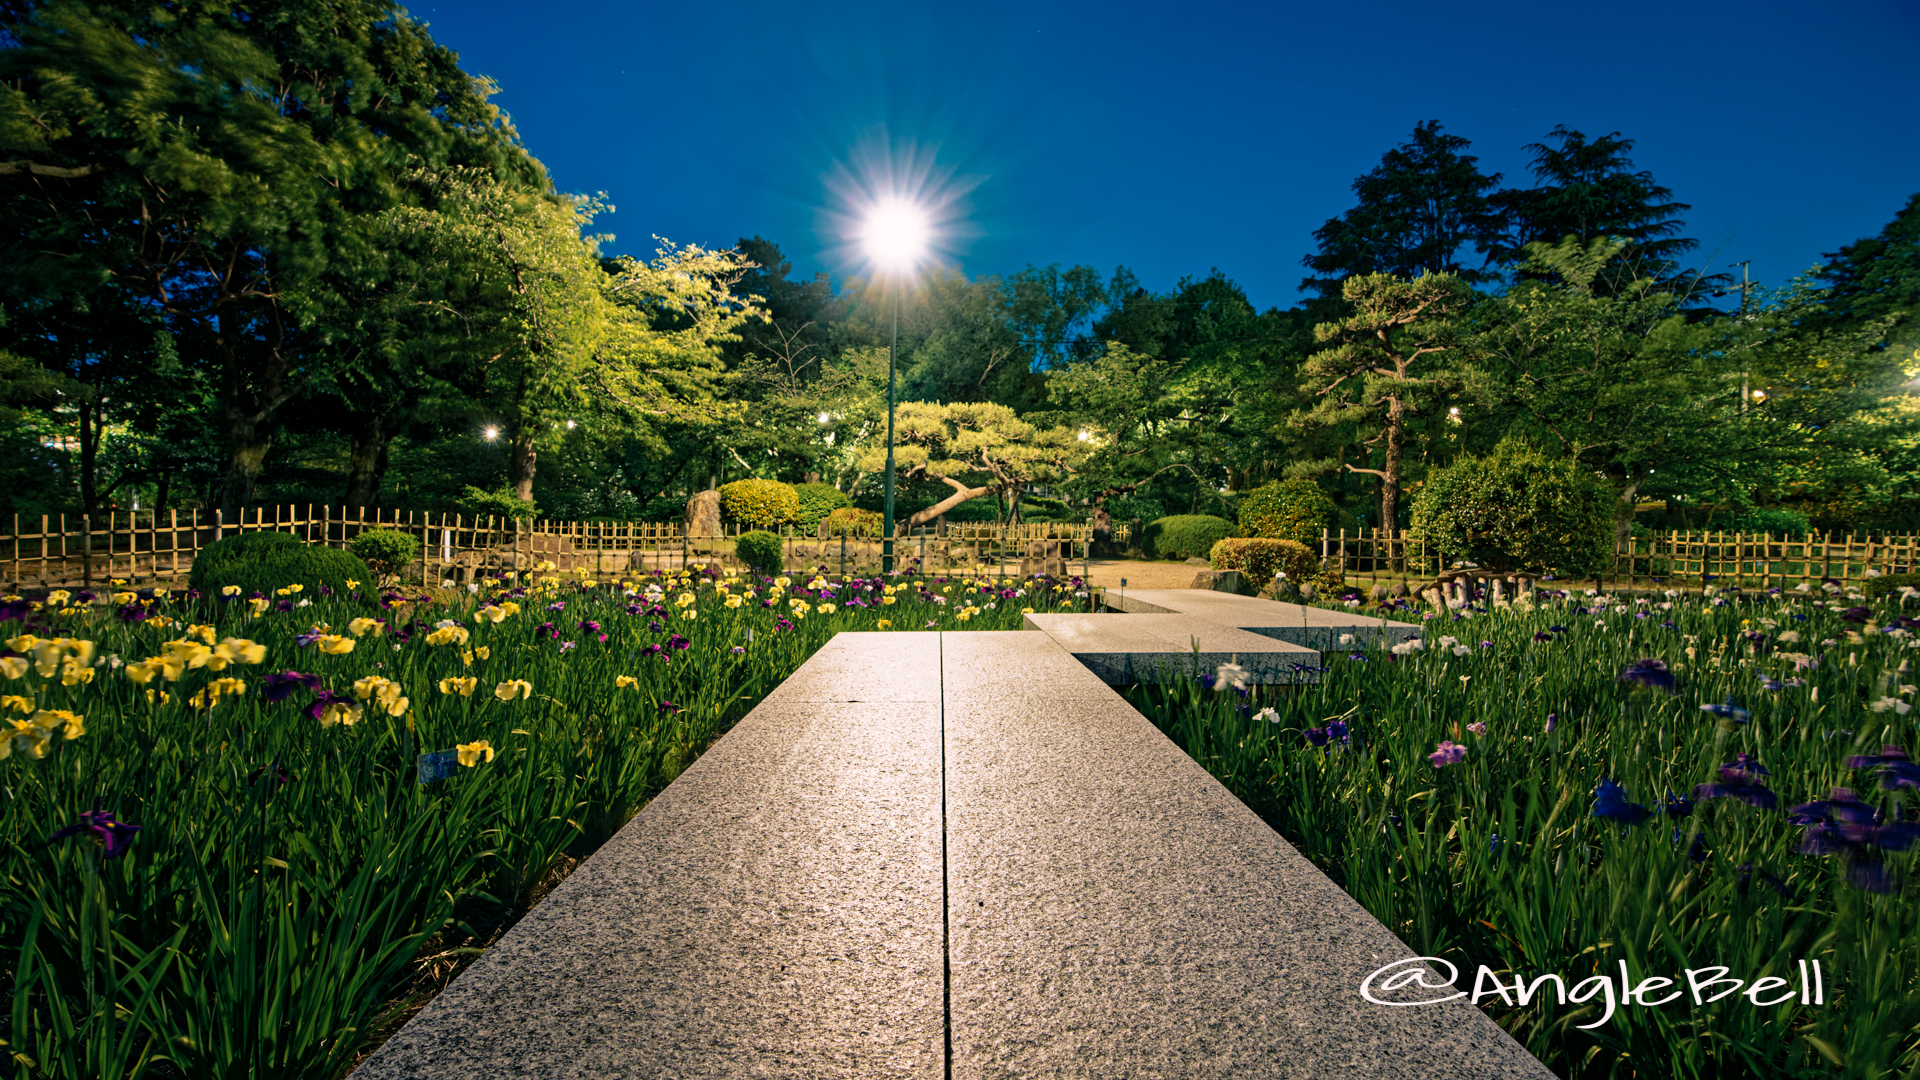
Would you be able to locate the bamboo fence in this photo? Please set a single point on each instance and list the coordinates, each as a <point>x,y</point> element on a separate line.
<point>1742,560</point>
<point>139,549</point>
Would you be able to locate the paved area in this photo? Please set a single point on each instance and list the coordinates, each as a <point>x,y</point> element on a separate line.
<point>1320,629</point>
<point>1123,649</point>
<point>943,855</point>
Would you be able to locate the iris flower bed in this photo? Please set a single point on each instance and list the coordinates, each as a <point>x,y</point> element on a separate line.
<point>237,828</point>
<point>1581,781</point>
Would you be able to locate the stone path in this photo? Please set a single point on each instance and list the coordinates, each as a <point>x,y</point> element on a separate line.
<point>933,856</point>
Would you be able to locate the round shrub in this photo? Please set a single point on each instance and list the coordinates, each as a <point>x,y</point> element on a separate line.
<point>1260,558</point>
<point>816,502</point>
<point>1184,536</point>
<point>386,551</point>
<point>851,521</point>
<point>264,567</point>
<point>1518,509</point>
<point>759,504</point>
<point>1888,584</point>
<point>238,550</point>
<point>760,550</point>
<point>1288,510</point>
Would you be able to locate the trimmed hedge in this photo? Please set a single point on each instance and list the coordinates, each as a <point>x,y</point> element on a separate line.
<point>760,550</point>
<point>1518,509</point>
<point>1288,510</point>
<point>1184,536</point>
<point>256,564</point>
<point>851,521</point>
<point>816,502</point>
<point>1260,558</point>
<point>761,504</point>
<point>1888,584</point>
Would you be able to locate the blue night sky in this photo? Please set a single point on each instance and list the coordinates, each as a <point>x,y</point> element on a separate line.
<point>1220,136</point>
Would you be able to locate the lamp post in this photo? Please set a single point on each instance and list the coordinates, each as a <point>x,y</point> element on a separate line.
<point>896,235</point>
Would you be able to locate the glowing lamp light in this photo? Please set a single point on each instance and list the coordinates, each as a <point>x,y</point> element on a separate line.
<point>1085,435</point>
<point>895,234</point>
<point>1759,395</point>
<point>490,434</point>
<point>824,418</point>
<point>569,425</point>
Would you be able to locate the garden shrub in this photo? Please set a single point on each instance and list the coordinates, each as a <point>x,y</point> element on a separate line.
<point>503,503</point>
<point>1518,509</point>
<point>386,551</point>
<point>851,521</point>
<point>760,550</point>
<point>1888,584</point>
<point>1781,522</point>
<point>262,566</point>
<point>759,504</point>
<point>1184,536</point>
<point>1294,509</point>
<point>816,502</point>
<point>1260,558</point>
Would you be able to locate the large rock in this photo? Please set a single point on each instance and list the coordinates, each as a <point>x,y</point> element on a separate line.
<point>1232,581</point>
<point>703,514</point>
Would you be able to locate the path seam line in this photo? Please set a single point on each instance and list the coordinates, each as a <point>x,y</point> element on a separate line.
<point>946,885</point>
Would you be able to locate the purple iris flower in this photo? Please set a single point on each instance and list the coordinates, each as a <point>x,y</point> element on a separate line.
<point>325,698</point>
<point>133,613</point>
<point>1316,736</point>
<point>281,686</point>
<point>307,638</point>
<point>284,605</point>
<point>1896,769</point>
<point>1651,673</point>
<point>634,609</point>
<point>590,626</point>
<point>1740,779</point>
<point>1447,753</point>
<point>678,642</point>
<point>654,650</point>
<point>1856,615</point>
<point>545,630</point>
<point>1768,683</point>
<point>1728,711</point>
<point>557,605</point>
<point>114,835</point>
<point>15,609</point>
<point>1678,806</point>
<point>84,596</point>
<point>1542,635</point>
<point>1610,802</point>
<point>668,707</point>
<point>1843,825</point>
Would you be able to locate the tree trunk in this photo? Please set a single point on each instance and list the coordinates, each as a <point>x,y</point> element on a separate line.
<point>89,457</point>
<point>520,465</point>
<point>961,493</point>
<point>1623,521</point>
<point>1396,449</point>
<point>247,444</point>
<point>367,460</point>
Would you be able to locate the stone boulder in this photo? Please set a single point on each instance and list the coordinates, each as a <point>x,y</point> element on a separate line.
<point>1231,581</point>
<point>703,514</point>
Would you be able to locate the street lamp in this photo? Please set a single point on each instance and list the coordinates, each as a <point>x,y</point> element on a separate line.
<point>895,237</point>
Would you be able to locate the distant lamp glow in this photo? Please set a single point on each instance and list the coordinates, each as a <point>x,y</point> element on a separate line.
<point>569,425</point>
<point>895,234</point>
<point>490,433</point>
<point>1085,435</point>
<point>1759,395</point>
<point>1453,415</point>
<point>824,418</point>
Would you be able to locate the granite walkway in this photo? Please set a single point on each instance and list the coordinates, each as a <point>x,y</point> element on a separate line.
<point>932,856</point>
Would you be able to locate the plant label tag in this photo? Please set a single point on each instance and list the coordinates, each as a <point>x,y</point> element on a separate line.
<point>438,765</point>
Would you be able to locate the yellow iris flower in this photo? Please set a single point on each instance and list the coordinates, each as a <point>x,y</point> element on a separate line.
<point>16,703</point>
<point>623,681</point>
<point>883,624</point>
<point>335,645</point>
<point>13,666</point>
<point>448,635</point>
<point>363,626</point>
<point>339,712</point>
<point>230,590</point>
<point>456,685</point>
<point>473,753</point>
<point>515,688</point>
<point>258,604</point>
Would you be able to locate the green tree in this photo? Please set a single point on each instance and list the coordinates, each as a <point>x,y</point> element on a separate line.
<point>1393,357</point>
<point>1587,189</point>
<point>975,449</point>
<point>1424,203</point>
<point>225,167</point>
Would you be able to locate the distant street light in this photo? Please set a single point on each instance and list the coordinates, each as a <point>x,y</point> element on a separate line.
<point>895,236</point>
<point>490,433</point>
